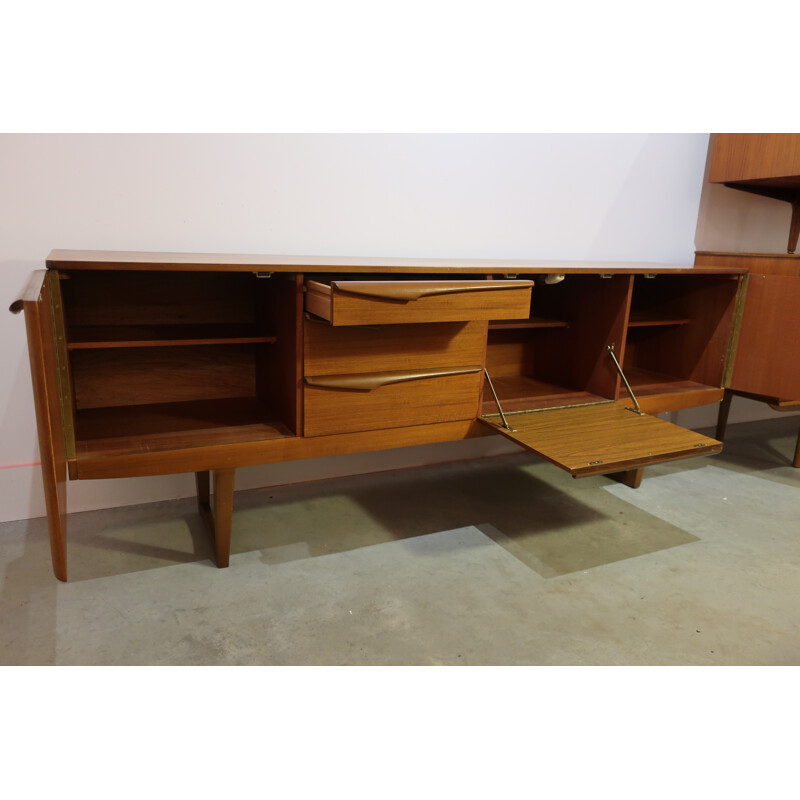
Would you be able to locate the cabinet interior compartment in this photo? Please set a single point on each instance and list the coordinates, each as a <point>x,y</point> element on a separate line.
<point>678,335</point>
<point>559,355</point>
<point>162,355</point>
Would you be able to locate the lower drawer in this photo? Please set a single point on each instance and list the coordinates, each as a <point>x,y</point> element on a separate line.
<point>372,401</point>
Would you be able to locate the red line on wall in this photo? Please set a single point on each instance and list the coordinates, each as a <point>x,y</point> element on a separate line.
<point>15,466</point>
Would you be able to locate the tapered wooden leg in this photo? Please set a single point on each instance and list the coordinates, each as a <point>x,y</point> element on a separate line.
<point>630,477</point>
<point>796,462</point>
<point>54,477</point>
<point>203,482</point>
<point>219,518</point>
<point>223,514</point>
<point>722,415</point>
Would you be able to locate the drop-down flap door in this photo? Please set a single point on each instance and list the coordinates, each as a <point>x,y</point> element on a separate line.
<point>600,438</point>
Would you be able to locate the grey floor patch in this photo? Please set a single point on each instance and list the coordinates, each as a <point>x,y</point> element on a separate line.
<point>507,561</point>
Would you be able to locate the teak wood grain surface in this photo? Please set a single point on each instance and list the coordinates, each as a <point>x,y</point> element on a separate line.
<point>120,260</point>
<point>760,263</point>
<point>768,348</point>
<point>754,156</point>
<point>38,306</point>
<point>330,351</point>
<point>228,447</point>
<point>596,439</point>
<point>428,399</point>
<point>768,354</point>
<point>372,303</point>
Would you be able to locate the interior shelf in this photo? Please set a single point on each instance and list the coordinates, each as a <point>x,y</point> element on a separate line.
<point>532,322</point>
<point>641,320</point>
<point>646,383</point>
<point>160,426</point>
<point>90,337</point>
<point>520,393</point>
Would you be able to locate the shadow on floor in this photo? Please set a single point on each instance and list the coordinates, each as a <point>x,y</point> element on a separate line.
<point>551,522</point>
<point>545,518</point>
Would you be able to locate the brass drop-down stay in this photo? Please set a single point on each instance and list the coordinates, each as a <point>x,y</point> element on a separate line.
<point>497,402</point>
<point>636,410</point>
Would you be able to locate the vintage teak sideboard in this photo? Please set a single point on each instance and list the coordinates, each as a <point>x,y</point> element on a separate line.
<point>160,363</point>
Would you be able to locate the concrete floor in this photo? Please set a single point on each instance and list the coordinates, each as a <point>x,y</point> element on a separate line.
<point>490,562</point>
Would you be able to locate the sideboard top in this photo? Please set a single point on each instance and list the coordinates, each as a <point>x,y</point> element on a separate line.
<point>130,260</point>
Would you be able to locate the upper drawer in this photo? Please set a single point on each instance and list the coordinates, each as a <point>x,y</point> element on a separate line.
<point>387,302</point>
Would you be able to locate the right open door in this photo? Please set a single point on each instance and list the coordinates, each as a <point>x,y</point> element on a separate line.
<point>768,353</point>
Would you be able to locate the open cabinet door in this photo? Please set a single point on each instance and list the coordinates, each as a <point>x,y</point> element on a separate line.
<point>42,307</point>
<point>768,353</point>
<point>601,438</point>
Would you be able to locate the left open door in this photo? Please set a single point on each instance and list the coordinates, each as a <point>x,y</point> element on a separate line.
<point>41,303</point>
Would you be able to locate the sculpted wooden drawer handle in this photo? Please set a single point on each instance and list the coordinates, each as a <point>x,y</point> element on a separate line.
<point>404,291</point>
<point>366,382</point>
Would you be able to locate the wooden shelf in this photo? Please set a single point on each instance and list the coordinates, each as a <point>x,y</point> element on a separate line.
<point>647,381</point>
<point>169,426</point>
<point>520,393</point>
<point>92,337</point>
<point>657,392</point>
<point>642,320</point>
<point>532,322</point>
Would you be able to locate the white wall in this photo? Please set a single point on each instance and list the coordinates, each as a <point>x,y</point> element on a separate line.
<point>580,196</point>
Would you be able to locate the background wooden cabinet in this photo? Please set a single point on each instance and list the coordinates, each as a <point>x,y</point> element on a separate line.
<point>762,163</point>
<point>767,364</point>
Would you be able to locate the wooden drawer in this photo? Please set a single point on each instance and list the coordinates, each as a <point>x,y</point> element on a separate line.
<point>405,301</point>
<point>393,399</point>
<point>332,351</point>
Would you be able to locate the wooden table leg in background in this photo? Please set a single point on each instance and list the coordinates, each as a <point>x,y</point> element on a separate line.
<point>219,518</point>
<point>774,403</point>
<point>722,415</point>
<point>223,514</point>
<point>203,481</point>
